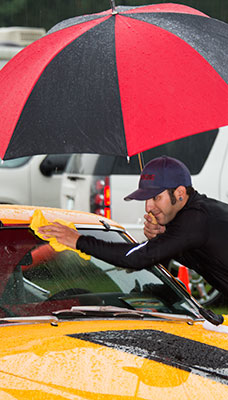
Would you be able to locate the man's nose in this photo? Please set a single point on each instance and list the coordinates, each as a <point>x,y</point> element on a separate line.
<point>150,205</point>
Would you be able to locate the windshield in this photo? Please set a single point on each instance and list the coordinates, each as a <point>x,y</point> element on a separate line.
<point>36,280</point>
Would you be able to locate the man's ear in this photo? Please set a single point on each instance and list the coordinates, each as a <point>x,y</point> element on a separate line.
<point>180,193</point>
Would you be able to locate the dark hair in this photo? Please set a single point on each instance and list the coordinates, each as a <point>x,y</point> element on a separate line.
<point>189,191</point>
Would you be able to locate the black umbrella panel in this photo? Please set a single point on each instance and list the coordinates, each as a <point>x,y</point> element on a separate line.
<point>117,82</point>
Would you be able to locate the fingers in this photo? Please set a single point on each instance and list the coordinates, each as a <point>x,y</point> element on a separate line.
<point>148,217</point>
<point>52,226</point>
<point>153,219</point>
<point>54,229</point>
<point>63,234</point>
<point>151,230</point>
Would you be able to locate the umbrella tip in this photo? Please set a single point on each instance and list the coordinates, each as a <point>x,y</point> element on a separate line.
<point>113,6</point>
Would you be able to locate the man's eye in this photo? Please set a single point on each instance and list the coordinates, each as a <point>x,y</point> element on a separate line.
<point>157,197</point>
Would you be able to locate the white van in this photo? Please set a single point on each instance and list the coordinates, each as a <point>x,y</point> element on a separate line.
<point>14,38</point>
<point>99,183</point>
<point>34,180</point>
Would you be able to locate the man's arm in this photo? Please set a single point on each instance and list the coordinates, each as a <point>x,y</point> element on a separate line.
<point>182,234</point>
<point>188,231</point>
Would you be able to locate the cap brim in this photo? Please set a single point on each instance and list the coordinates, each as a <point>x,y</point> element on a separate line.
<point>144,194</point>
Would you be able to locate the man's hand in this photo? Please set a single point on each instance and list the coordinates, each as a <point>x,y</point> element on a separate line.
<point>151,230</point>
<point>62,233</point>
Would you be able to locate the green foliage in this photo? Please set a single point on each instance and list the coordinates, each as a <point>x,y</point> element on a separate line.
<point>11,6</point>
<point>46,13</point>
<point>9,10</point>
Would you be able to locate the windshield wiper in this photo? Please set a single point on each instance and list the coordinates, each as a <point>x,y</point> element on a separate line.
<point>118,312</point>
<point>209,315</point>
<point>29,320</point>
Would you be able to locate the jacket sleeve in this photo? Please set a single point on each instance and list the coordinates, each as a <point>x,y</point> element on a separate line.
<point>183,233</point>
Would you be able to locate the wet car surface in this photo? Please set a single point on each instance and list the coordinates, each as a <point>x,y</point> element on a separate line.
<point>73,328</point>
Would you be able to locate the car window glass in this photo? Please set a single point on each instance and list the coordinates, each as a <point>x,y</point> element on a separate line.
<point>94,282</point>
<point>44,281</point>
<point>14,163</point>
<point>90,164</point>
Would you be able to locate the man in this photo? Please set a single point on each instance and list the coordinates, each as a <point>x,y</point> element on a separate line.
<point>190,228</point>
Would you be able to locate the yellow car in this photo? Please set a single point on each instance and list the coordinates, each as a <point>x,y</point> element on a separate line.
<point>74,327</point>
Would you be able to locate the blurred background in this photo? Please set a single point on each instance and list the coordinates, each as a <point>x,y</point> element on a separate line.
<point>46,13</point>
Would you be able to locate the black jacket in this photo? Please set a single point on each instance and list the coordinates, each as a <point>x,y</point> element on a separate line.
<point>197,237</point>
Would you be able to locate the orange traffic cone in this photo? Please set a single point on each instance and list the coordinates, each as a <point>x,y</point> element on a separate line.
<point>183,276</point>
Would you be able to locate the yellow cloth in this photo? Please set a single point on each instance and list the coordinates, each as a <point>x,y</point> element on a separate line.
<point>39,220</point>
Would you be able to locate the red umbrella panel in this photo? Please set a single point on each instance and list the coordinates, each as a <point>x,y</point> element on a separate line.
<point>116,83</point>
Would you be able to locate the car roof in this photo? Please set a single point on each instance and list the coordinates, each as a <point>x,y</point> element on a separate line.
<point>21,215</point>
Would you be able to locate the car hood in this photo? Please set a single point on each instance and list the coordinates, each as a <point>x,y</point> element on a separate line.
<point>113,360</point>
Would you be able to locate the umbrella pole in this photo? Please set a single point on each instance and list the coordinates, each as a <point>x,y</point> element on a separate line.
<point>113,6</point>
<point>141,161</point>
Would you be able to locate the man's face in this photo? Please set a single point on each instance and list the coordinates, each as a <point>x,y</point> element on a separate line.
<point>161,208</point>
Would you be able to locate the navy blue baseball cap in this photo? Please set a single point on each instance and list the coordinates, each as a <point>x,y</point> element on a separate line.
<point>158,175</point>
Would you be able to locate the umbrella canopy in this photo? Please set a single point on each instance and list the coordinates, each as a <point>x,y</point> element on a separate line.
<point>118,82</point>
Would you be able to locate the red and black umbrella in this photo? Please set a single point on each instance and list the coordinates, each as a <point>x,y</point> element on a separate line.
<point>118,82</point>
